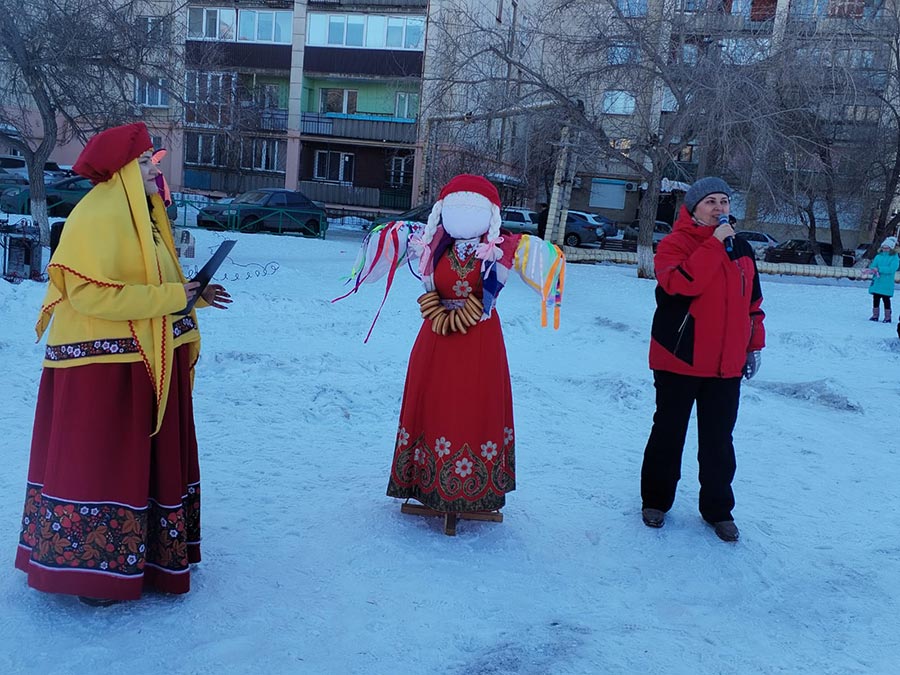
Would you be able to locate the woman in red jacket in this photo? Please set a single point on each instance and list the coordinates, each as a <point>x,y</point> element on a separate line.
<point>707,332</point>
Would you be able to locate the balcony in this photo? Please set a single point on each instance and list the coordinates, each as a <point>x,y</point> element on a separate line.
<point>363,127</point>
<point>210,55</point>
<point>255,118</point>
<point>331,4</point>
<point>386,63</point>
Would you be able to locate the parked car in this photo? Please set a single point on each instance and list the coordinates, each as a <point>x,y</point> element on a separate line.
<point>16,164</point>
<point>583,228</point>
<point>607,226</point>
<point>800,252</point>
<point>417,214</point>
<point>9,179</point>
<point>519,221</point>
<point>660,229</point>
<point>266,209</point>
<point>62,196</point>
<point>760,242</point>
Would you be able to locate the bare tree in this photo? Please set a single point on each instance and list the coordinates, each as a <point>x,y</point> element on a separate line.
<point>69,68</point>
<point>633,81</point>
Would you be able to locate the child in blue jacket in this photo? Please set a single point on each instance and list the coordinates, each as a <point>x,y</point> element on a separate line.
<point>885,265</point>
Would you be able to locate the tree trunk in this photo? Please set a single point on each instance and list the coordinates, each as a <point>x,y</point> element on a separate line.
<point>837,245</point>
<point>37,195</point>
<point>647,215</point>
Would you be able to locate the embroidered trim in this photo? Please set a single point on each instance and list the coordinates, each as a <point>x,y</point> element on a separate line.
<point>183,326</point>
<point>89,348</point>
<point>462,267</point>
<point>78,350</point>
<point>109,537</point>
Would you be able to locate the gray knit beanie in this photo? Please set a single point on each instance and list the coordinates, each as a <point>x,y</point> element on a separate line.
<point>703,188</point>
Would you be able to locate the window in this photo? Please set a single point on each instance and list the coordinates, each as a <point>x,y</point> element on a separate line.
<point>846,8</point>
<point>333,166</point>
<point>623,145</point>
<point>376,27</point>
<point>394,32</point>
<point>152,93</point>
<point>204,149</point>
<point>211,23</point>
<point>862,113</point>
<point>407,106</point>
<point>618,55</point>
<point>264,154</point>
<point>371,31</point>
<point>317,30</point>
<point>690,54</point>
<point>762,10</point>
<point>208,98</point>
<point>156,142</point>
<point>401,171</point>
<point>336,30</point>
<point>264,26</point>
<point>338,101</point>
<point>356,27</point>
<point>632,7</point>
<point>742,52</point>
<point>154,28</point>
<point>685,154</point>
<point>617,102</point>
<point>415,33</point>
<point>669,102</point>
<point>607,194</point>
<point>689,6</point>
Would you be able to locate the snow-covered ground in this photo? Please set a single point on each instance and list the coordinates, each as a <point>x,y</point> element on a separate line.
<point>309,568</point>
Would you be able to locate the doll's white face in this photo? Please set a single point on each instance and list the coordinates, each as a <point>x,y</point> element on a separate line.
<point>466,215</point>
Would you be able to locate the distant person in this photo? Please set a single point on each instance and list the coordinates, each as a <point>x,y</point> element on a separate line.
<point>112,504</point>
<point>884,267</point>
<point>707,332</point>
<point>543,214</point>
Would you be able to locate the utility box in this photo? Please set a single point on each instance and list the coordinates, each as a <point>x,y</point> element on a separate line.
<point>23,255</point>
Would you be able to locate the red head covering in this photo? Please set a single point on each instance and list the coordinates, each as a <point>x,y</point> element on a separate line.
<point>110,150</point>
<point>467,182</point>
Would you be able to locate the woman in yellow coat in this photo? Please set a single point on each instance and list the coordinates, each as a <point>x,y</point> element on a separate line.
<point>113,498</point>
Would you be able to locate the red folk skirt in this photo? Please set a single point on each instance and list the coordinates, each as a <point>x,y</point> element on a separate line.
<point>111,510</point>
<point>455,447</point>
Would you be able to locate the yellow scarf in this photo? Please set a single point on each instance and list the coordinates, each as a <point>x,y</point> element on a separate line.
<point>108,241</point>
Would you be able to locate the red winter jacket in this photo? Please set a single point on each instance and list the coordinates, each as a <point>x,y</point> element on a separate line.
<point>708,314</point>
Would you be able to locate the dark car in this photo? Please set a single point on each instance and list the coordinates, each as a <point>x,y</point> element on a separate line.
<point>62,196</point>
<point>800,252</point>
<point>9,179</point>
<point>266,209</point>
<point>417,214</point>
<point>660,229</point>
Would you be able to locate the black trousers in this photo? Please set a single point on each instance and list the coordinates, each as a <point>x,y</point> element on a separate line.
<point>717,407</point>
<point>877,296</point>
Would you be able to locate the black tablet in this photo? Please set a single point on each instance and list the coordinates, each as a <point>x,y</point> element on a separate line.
<point>205,275</point>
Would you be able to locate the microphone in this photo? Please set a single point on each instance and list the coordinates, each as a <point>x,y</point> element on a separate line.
<point>729,241</point>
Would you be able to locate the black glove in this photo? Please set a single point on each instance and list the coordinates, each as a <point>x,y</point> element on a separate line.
<point>752,364</point>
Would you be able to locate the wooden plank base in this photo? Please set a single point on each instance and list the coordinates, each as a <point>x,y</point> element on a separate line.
<point>420,510</point>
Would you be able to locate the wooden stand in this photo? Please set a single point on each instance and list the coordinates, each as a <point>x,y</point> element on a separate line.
<point>450,518</point>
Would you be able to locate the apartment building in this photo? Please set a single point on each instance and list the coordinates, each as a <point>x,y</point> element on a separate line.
<point>321,96</point>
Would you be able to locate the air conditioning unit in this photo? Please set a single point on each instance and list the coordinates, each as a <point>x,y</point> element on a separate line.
<point>631,186</point>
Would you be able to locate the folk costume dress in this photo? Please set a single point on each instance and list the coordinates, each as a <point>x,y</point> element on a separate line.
<point>113,496</point>
<point>455,445</point>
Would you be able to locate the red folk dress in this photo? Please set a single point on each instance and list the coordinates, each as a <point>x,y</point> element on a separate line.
<point>455,449</point>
